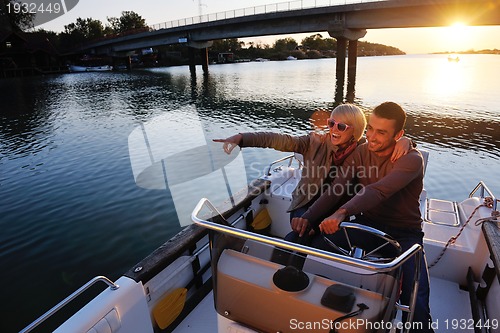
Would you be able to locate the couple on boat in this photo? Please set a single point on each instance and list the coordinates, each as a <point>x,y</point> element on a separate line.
<point>384,167</point>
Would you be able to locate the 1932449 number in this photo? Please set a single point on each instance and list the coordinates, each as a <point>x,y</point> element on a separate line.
<point>34,8</point>
<point>463,324</point>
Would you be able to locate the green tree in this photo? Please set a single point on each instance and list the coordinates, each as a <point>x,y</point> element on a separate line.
<point>372,49</point>
<point>114,24</point>
<point>83,30</point>
<point>255,50</point>
<point>14,20</point>
<point>285,44</point>
<point>317,42</point>
<point>227,45</point>
<point>330,44</point>
<point>313,42</point>
<point>129,20</point>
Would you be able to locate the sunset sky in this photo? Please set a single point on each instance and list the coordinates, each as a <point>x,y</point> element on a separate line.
<point>417,40</point>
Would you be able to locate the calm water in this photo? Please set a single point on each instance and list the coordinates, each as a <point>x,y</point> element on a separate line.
<point>70,209</point>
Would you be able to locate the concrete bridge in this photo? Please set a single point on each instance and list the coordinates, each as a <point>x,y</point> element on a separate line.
<point>347,22</point>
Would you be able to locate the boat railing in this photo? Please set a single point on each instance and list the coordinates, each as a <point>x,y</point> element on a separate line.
<point>379,267</point>
<point>64,302</point>
<point>372,266</point>
<point>483,189</point>
<point>289,157</point>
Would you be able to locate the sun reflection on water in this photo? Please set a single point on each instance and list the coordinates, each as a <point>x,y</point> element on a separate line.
<point>447,80</point>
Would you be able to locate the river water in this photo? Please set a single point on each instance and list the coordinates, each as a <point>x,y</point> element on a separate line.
<point>70,208</point>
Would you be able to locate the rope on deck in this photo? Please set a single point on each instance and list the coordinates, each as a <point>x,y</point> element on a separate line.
<point>488,202</point>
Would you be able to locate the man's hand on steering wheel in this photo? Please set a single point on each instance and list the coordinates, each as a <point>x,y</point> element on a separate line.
<point>330,225</point>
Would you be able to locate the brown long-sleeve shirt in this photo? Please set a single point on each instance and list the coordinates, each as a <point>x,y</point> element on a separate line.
<point>387,193</point>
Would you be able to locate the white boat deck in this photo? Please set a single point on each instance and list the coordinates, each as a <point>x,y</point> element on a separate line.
<point>449,304</point>
<point>202,319</point>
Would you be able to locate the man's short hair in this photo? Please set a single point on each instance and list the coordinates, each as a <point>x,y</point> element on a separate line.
<point>391,110</point>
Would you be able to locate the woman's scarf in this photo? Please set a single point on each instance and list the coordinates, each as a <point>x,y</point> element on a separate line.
<point>341,154</point>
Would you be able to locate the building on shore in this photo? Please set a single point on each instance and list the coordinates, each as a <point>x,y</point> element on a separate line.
<point>26,54</point>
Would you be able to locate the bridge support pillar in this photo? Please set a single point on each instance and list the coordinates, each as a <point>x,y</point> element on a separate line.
<point>340,70</point>
<point>351,70</point>
<point>128,62</point>
<point>203,47</point>
<point>192,61</point>
<point>343,35</point>
<point>204,60</point>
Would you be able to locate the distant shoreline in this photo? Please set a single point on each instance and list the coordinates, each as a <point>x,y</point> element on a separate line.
<point>488,51</point>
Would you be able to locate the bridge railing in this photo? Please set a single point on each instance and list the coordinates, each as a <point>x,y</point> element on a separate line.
<point>263,9</point>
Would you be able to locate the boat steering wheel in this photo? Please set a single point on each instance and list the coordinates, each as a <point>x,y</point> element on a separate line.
<point>360,253</point>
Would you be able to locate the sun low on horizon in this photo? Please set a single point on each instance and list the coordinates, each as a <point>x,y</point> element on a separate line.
<point>458,36</point>
<point>461,37</point>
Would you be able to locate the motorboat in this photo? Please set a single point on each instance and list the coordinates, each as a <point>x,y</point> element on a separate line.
<point>78,69</point>
<point>231,271</point>
<point>453,58</point>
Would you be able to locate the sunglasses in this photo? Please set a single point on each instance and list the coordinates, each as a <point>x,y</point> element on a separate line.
<point>340,126</point>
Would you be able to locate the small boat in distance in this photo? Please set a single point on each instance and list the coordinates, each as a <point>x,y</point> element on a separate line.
<point>77,69</point>
<point>453,58</point>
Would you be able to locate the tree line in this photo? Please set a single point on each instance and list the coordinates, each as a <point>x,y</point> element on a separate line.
<point>311,47</point>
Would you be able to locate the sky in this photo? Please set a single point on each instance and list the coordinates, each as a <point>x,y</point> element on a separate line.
<point>410,40</point>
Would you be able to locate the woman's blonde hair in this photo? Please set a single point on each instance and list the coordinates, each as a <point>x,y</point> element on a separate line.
<point>353,117</point>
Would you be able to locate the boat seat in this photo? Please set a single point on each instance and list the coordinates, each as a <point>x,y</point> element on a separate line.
<point>423,194</point>
<point>283,179</point>
<point>425,156</point>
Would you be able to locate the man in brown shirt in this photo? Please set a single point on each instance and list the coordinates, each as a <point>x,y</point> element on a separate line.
<point>387,198</point>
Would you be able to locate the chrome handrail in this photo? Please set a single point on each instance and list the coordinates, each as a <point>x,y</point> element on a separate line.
<point>268,171</point>
<point>482,186</point>
<point>64,302</point>
<point>373,266</point>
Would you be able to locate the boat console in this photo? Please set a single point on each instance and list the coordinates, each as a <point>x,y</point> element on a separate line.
<point>248,292</point>
<point>299,288</point>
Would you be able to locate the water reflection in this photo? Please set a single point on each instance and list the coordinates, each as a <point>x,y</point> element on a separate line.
<point>26,126</point>
<point>447,79</point>
<point>456,132</point>
<point>465,128</point>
